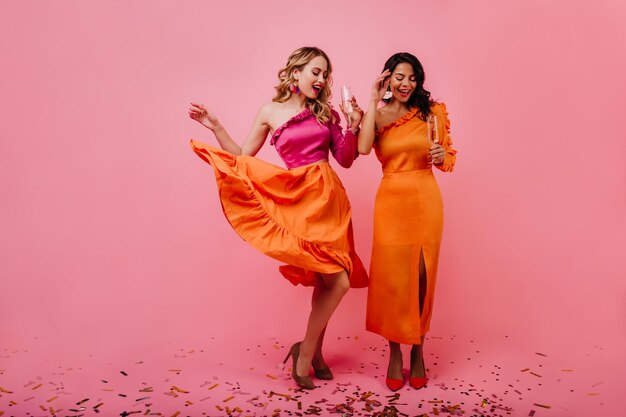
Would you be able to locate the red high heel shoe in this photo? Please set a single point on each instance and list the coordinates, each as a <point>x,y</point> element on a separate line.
<point>418,382</point>
<point>393,384</point>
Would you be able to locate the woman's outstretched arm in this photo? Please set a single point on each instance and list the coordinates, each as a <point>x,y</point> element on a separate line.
<point>252,144</point>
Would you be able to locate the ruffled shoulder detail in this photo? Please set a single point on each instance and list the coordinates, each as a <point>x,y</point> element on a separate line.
<point>399,122</point>
<point>440,107</point>
<point>304,114</point>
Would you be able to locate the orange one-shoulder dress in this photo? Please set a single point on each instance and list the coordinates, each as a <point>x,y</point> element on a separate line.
<point>408,225</point>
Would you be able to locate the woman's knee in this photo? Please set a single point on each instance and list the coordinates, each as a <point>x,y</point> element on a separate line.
<point>340,283</point>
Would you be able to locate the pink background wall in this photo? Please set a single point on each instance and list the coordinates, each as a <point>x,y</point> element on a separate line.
<point>112,235</point>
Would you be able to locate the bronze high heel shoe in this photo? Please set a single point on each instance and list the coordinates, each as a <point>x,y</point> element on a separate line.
<point>323,372</point>
<point>302,381</point>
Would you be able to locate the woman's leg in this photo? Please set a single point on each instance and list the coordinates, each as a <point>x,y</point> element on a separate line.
<point>394,370</point>
<point>417,361</point>
<point>331,290</point>
<point>417,351</point>
<point>318,358</point>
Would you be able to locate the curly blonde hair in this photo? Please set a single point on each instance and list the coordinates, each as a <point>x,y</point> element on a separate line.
<point>319,106</point>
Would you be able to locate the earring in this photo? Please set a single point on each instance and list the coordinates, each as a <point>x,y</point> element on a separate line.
<point>388,94</point>
<point>294,87</point>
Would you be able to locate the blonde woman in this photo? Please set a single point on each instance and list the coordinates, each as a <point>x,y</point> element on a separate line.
<point>299,215</point>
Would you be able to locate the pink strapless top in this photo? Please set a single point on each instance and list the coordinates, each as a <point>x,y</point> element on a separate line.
<point>302,140</point>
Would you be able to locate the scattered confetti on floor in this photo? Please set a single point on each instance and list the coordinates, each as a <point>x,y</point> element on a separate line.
<point>469,380</point>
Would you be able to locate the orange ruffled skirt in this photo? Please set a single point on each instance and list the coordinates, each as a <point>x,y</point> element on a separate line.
<point>301,217</point>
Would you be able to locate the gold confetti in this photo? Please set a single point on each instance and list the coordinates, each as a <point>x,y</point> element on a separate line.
<point>484,403</point>
<point>271,376</point>
<point>213,386</point>
<point>593,393</point>
<point>147,389</point>
<point>537,375</point>
<point>175,388</point>
<point>272,393</point>
<point>175,370</point>
<point>175,414</point>
<point>82,401</point>
<point>228,399</point>
<point>435,401</point>
<point>7,391</point>
<point>525,370</point>
<point>541,354</point>
<point>567,370</point>
<point>542,405</point>
<point>52,399</point>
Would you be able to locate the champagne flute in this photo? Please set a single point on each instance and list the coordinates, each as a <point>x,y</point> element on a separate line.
<point>346,99</point>
<point>433,129</point>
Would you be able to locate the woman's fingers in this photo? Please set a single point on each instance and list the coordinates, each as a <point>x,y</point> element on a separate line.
<point>436,153</point>
<point>198,107</point>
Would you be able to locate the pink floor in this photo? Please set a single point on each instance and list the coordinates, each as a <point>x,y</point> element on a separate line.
<point>497,377</point>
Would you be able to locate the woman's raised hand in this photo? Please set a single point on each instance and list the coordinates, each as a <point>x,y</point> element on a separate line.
<point>380,86</point>
<point>200,114</point>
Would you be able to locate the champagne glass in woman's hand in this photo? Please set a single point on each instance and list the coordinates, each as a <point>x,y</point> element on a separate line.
<point>200,114</point>
<point>436,152</point>
<point>351,110</point>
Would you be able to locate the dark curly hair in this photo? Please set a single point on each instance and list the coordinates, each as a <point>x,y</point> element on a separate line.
<point>420,97</point>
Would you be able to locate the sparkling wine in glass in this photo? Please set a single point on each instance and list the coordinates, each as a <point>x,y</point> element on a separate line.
<point>346,99</point>
<point>433,129</point>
